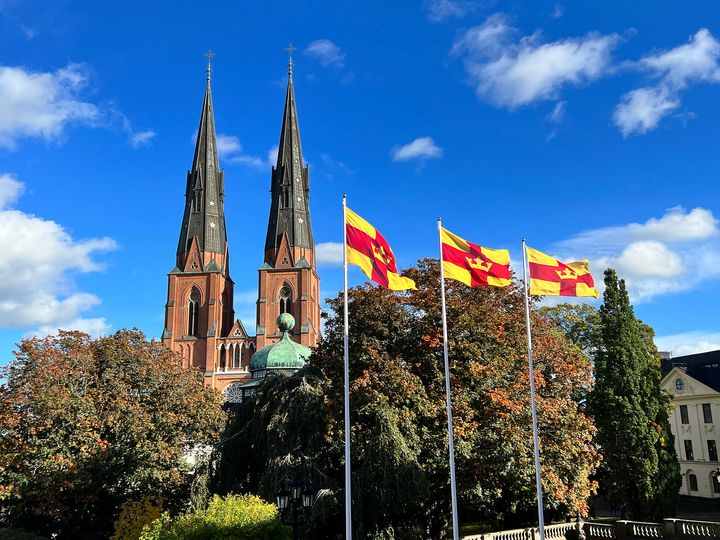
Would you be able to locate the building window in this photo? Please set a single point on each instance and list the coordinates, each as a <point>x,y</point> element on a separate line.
<point>692,482</point>
<point>285,300</point>
<point>716,482</point>
<point>707,413</point>
<point>712,450</point>
<point>236,357</point>
<point>684,415</point>
<point>689,450</point>
<point>193,313</point>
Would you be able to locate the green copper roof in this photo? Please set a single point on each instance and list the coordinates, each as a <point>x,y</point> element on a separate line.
<point>283,354</point>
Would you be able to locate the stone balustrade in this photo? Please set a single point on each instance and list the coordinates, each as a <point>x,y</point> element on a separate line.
<point>670,529</point>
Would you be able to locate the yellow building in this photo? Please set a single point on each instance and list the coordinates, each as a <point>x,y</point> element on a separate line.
<point>694,383</point>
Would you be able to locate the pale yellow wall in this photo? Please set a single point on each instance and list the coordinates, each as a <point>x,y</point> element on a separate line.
<point>694,394</point>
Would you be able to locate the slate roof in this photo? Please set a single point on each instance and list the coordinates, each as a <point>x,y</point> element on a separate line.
<point>289,185</point>
<point>705,367</point>
<point>204,214</point>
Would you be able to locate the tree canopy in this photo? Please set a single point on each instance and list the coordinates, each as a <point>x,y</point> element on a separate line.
<point>399,438</point>
<point>87,424</point>
<point>640,467</point>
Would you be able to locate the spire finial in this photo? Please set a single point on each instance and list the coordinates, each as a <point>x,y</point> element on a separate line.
<point>209,55</point>
<point>290,49</point>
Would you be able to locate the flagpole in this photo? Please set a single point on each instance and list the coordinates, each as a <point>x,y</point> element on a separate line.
<point>346,376</point>
<point>536,445</point>
<point>448,400</point>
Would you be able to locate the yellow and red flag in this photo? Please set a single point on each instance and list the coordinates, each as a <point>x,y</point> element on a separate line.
<point>367,249</point>
<point>474,265</point>
<point>550,277</point>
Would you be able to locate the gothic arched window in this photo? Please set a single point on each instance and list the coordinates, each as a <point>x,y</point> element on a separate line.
<point>236,356</point>
<point>285,300</point>
<point>193,313</point>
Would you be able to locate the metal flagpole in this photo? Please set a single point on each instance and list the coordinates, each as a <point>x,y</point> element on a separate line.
<point>346,375</point>
<point>536,445</point>
<point>451,437</point>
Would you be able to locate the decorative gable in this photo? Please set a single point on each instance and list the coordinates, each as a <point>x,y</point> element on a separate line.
<point>193,263</point>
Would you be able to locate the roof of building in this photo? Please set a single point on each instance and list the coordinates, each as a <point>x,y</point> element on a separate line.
<point>704,367</point>
<point>204,216</point>
<point>289,186</point>
<point>283,354</point>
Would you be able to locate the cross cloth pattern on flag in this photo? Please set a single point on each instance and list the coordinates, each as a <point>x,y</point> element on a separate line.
<point>474,265</point>
<point>550,277</point>
<point>367,249</point>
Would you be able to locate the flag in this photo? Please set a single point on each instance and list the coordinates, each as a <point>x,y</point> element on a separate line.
<point>367,249</point>
<point>474,265</point>
<point>550,277</point>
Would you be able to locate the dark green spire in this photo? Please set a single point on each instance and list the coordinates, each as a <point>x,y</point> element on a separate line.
<point>290,187</point>
<point>204,215</point>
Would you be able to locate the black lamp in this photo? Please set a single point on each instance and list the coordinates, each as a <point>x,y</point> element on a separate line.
<point>296,488</point>
<point>283,497</point>
<point>309,495</point>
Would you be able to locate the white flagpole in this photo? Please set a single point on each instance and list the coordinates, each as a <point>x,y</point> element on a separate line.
<point>346,375</point>
<point>536,445</point>
<point>451,437</point>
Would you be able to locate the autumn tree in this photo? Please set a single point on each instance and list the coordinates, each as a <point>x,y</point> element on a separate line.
<point>88,424</point>
<point>640,467</point>
<point>399,440</point>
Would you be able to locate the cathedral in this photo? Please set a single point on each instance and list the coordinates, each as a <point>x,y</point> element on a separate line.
<point>199,317</point>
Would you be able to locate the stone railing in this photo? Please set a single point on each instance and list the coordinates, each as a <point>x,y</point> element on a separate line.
<point>670,529</point>
<point>684,528</point>
<point>554,532</point>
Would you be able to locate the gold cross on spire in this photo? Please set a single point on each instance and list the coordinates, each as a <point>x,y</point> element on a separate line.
<point>290,49</point>
<point>209,55</point>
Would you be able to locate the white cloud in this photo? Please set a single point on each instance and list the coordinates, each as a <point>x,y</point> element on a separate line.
<point>37,267</point>
<point>441,10</point>
<point>512,72</point>
<point>558,113</point>
<point>141,138</point>
<point>642,109</point>
<point>329,253</point>
<point>675,252</point>
<point>558,11</point>
<point>94,327</point>
<point>689,342</point>
<point>326,52</point>
<point>230,150</point>
<point>10,190</point>
<point>273,155</point>
<point>645,259</point>
<point>43,104</point>
<point>420,148</point>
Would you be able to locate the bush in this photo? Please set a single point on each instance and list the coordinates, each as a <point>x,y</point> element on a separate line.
<point>18,534</point>
<point>134,515</point>
<point>241,517</point>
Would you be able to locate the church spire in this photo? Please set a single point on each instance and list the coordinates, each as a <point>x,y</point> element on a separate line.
<point>204,217</point>
<point>290,189</point>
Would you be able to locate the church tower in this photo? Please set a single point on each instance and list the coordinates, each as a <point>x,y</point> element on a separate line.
<point>288,280</point>
<point>199,311</point>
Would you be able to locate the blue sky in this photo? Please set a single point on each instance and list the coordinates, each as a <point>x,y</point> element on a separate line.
<point>589,128</point>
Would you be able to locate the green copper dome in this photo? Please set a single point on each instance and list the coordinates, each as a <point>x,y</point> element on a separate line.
<point>285,354</point>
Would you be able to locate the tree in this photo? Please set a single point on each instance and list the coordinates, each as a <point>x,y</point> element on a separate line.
<point>640,468</point>
<point>245,517</point>
<point>399,439</point>
<point>88,424</point>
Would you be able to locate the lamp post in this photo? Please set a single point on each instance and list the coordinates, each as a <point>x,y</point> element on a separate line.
<point>295,495</point>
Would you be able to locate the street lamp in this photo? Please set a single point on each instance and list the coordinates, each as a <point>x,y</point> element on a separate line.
<point>300,495</point>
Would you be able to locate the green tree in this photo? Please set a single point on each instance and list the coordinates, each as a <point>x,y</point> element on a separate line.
<point>399,441</point>
<point>88,424</point>
<point>640,468</point>
<point>242,517</point>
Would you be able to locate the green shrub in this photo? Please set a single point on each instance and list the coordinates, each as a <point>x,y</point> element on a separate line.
<point>18,534</point>
<point>134,515</point>
<point>240,517</point>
